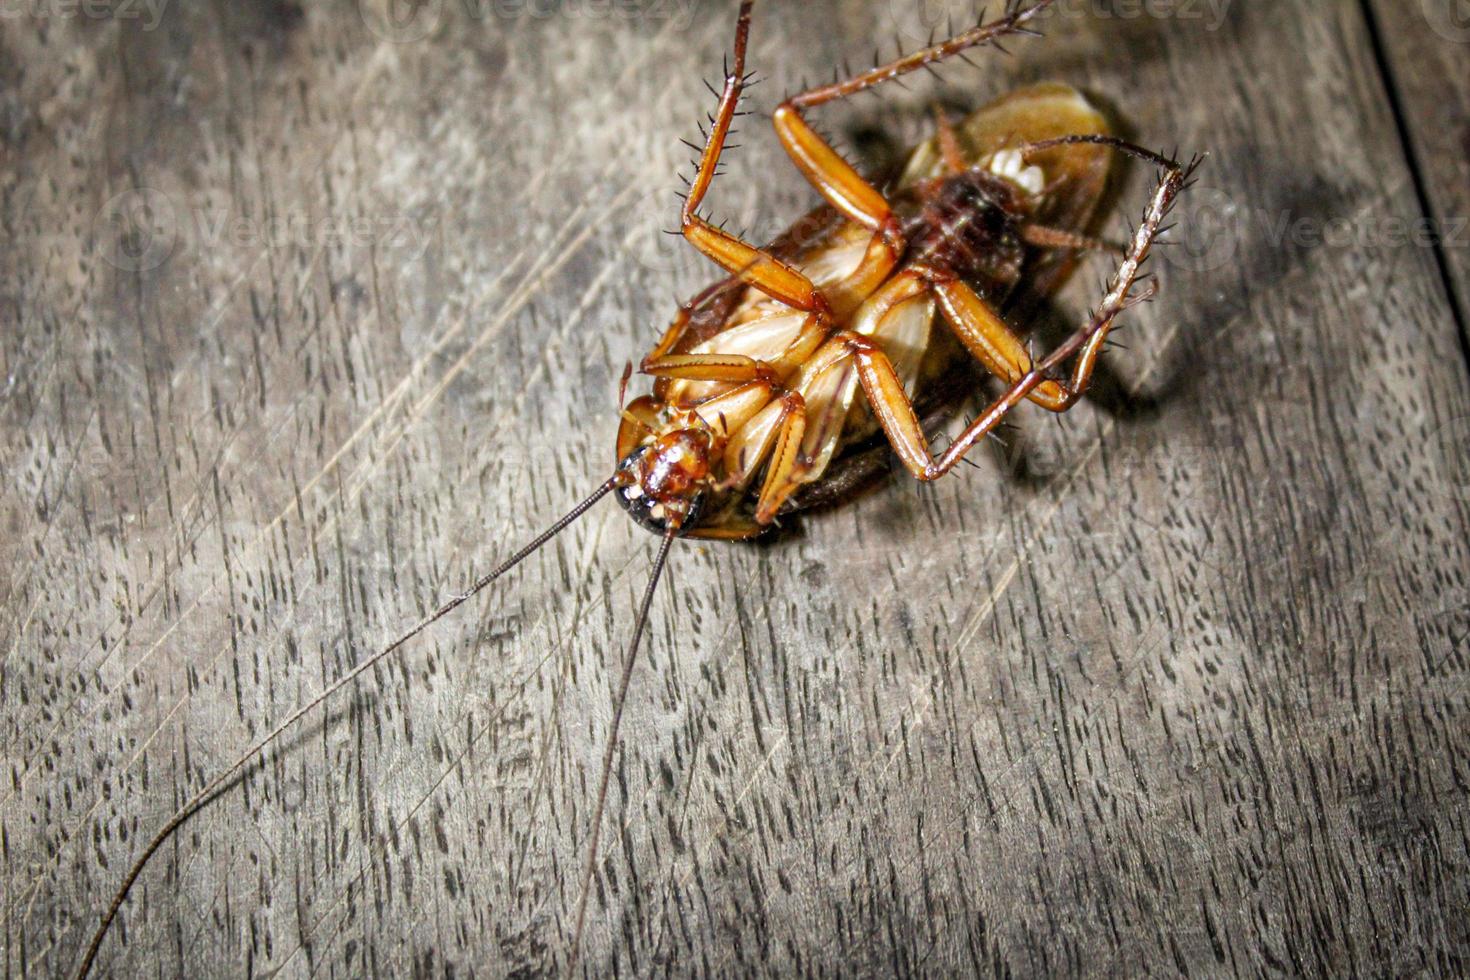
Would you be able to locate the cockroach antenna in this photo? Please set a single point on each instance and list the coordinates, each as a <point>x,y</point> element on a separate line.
<point>199,800</point>
<point>612,741</point>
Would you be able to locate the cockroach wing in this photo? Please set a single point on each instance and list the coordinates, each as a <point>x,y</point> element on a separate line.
<point>1075,175</point>
<point>1072,178</point>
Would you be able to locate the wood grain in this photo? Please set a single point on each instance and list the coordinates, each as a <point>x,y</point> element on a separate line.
<point>309,316</point>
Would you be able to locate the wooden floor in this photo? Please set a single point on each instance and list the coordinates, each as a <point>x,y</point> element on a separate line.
<point>309,315</point>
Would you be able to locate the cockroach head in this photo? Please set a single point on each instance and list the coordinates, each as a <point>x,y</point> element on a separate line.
<point>667,480</point>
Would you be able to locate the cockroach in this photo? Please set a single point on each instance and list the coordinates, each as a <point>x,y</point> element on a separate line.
<point>754,412</point>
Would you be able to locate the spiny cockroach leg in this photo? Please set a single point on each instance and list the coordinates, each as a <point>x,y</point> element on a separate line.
<point>833,176</point>
<point>759,268</point>
<point>990,341</point>
<point>894,410</point>
<point>1112,142</point>
<point>824,168</point>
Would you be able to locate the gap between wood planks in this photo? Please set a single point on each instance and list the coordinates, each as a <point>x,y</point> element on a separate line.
<point>1416,170</point>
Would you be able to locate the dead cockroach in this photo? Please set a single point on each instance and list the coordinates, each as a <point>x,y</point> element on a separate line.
<point>754,411</point>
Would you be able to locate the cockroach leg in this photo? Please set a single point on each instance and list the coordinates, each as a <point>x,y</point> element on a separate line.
<point>786,439</point>
<point>783,475</point>
<point>987,337</point>
<point>639,418</point>
<point>836,179</point>
<point>1014,21</point>
<point>709,367</point>
<point>1102,139</point>
<point>825,168</point>
<point>763,271</point>
<point>682,319</point>
<point>748,450</point>
<point>759,268</point>
<point>727,412</point>
<point>1043,236</point>
<point>894,410</point>
<point>737,367</point>
<point>731,530</point>
<point>949,143</point>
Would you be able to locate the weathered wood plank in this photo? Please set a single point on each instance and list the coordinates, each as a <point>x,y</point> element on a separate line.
<point>1187,689</point>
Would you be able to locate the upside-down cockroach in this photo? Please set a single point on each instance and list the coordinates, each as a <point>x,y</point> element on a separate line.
<point>755,413</point>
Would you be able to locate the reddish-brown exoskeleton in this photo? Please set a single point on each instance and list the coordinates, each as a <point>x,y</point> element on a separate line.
<point>756,402</point>
<point>757,377</point>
